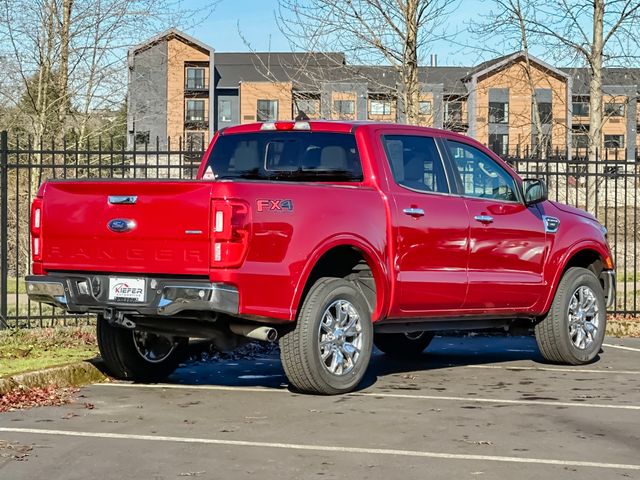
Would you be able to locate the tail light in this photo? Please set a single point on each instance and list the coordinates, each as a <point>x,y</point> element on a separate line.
<point>230,233</point>
<point>36,230</point>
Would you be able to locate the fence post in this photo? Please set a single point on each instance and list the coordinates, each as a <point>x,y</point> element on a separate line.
<point>4,194</point>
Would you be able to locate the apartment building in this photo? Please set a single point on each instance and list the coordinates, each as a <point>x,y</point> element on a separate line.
<point>181,92</point>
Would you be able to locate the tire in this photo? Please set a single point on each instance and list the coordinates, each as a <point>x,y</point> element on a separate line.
<point>300,349</point>
<point>123,357</point>
<point>403,345</point>
<point>559,334</point>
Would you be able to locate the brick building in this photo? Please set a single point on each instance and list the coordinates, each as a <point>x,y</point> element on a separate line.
<point>180,89</point>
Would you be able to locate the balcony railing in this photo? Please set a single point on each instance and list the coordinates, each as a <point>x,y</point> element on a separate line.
<point>455,118</point>
<point>196,87</point>
<point>196,120</point>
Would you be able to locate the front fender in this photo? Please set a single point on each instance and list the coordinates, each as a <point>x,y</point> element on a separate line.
<point>558,263</point>
<point>374,259</point>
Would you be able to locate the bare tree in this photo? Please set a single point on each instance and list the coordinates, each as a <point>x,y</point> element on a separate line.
<point>510,19</point>
<point>389,32</point>
<point>69,56</point>
<point>591,33</point>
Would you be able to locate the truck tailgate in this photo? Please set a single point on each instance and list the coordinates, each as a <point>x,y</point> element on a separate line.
<point>164,231</point>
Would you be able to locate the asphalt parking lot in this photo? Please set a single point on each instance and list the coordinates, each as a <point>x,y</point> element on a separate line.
<point>475,407</point>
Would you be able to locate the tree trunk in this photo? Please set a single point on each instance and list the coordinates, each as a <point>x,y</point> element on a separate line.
<point>63,72</point>
<point>595,85</point>
<point>538,148</point>
<point>410,80</point>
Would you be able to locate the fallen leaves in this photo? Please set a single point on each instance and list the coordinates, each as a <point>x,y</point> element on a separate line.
<point>21,397</point>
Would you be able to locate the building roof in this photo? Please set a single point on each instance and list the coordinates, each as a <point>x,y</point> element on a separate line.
<point>171,33</point>
<point>233,68</point>
<point>500,62</point>
<point>307,71</point>
<point>628,77</point>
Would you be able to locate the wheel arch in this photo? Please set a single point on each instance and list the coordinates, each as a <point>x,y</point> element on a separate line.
<point>342,257</point>
<point>590,255</point>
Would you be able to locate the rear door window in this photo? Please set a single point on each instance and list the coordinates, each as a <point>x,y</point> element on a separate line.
<point>302,156</point>
<point>416,163</point>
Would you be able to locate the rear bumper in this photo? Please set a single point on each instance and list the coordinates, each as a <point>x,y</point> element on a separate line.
<point>608,278</point>
<point>79,293</point>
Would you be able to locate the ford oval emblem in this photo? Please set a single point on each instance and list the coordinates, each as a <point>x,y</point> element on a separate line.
<point>121,225</point>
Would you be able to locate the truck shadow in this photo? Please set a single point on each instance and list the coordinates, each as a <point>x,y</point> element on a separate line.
<point>265,370</point>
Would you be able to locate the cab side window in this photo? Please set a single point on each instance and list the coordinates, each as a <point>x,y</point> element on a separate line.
<point>480,175</point>
<point>416,163</point>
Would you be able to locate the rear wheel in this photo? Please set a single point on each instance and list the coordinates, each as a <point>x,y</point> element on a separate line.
<point>573,330</point>
<point>137,355</point>
<point>329,349</point>
<point>403,345</point>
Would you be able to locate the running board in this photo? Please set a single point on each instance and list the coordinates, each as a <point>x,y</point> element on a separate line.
<point>421,325</point>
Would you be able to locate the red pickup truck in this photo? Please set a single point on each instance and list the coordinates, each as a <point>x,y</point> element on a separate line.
<point>332,237</point>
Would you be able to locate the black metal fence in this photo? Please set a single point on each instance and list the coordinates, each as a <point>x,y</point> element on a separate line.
<point>606,187</point>
<point>25,164</point>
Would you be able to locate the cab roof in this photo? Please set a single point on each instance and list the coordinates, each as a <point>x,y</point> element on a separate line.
<point>337,126</point>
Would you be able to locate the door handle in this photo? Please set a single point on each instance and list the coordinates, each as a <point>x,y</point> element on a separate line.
<point>414,212</point>
<point>484,218</point>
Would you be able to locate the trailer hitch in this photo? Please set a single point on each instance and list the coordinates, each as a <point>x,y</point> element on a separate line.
<point>117,318</point>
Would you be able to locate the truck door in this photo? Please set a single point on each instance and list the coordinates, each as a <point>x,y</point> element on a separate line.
<point>507,238</point>
<point>429,229</point>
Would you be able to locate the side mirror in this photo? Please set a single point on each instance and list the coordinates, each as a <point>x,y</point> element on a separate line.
<point>535,191</point>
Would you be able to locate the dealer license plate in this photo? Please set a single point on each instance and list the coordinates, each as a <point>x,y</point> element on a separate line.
<point>130,290</point>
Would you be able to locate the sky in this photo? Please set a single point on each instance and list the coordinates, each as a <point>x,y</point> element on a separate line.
<point>255,19</point>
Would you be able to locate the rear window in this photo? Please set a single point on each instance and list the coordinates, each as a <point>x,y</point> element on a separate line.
<point>295,156</point>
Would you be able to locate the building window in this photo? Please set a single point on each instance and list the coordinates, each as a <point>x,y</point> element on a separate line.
<point>308,106</point>
<point>545,109</point>
<point>614,141</point>
<point>267,110</point>
<point>379,107</point>
<point>580,140</point>
<point>344,107</point>
<point>499,143</point>
<point>142,138</point>
<point>224,110</point>
<point>195,78</point>
<point>195,141</point>
<point>453,112</point>
<point>498,112</point>
<point>195,111</point>
<point>613,109</point>
<point>580,109</point>
<point>425,107</point>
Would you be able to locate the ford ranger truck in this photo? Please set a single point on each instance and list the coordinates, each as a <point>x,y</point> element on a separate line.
<point>329,236</point>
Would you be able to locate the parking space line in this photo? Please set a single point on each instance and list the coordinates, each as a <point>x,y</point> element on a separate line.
<point>552,403</point>
<point>621,347</point>
<point>551,369</point>
<point>323,448</point>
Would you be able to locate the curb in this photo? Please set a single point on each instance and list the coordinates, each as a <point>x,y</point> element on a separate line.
<point>72,375</point>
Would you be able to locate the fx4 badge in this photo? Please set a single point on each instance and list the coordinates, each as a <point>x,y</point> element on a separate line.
<point>268,205</point>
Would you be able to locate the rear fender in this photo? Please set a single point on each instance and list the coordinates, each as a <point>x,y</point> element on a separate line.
<point>376,264</point>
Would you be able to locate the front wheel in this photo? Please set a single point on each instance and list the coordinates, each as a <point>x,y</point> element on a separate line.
<point>137,355</point>
<point>573,330</point>
<point>329,349</point>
